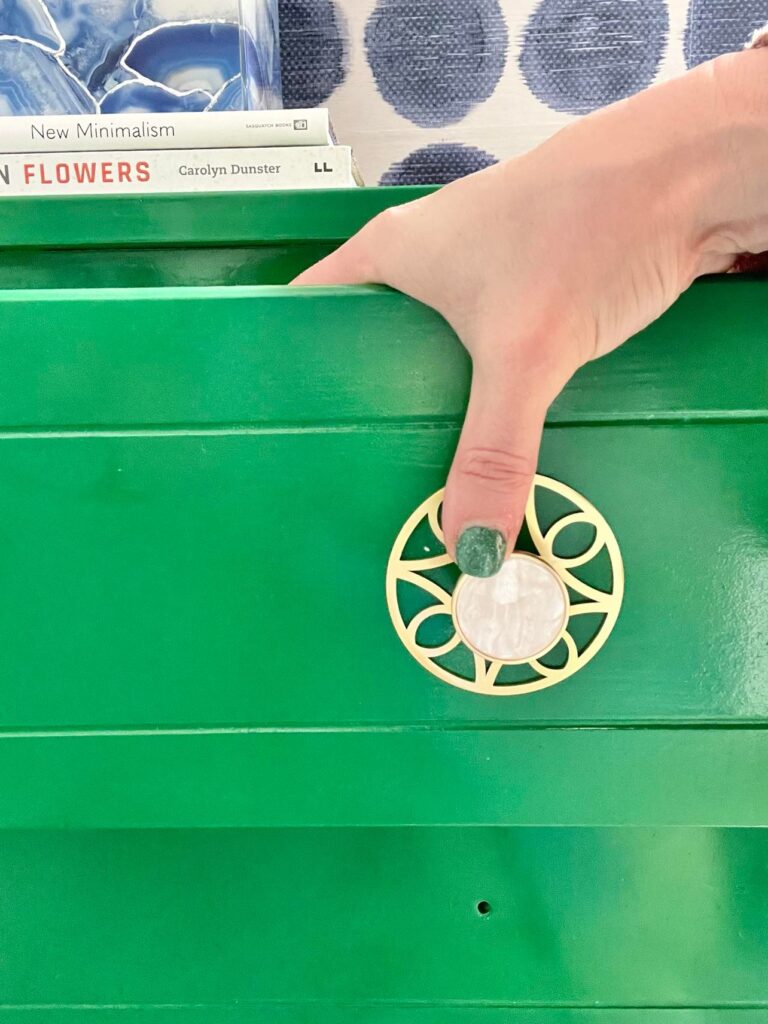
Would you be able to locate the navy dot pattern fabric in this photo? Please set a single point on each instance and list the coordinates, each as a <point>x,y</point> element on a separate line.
<point>579,55</point>
<point>437,164</point>
<point>454,50</point>
<point>716,27</point>
<point>313,51</point>
<point>429,90</point>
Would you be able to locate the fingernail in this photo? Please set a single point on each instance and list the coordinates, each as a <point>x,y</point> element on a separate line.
<point>480,551</point>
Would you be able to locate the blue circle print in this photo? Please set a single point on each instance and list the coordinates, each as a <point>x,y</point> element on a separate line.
<point>578,55</point>
<point>435,60</point>
<point>437,164</point>
<point>721,26</point>
<point>313,51</point>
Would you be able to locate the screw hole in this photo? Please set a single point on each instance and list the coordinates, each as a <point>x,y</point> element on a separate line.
<point>483,908</point>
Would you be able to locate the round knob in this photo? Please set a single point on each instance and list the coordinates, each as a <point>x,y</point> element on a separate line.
<point>514,616</point>
<point>538,621</point>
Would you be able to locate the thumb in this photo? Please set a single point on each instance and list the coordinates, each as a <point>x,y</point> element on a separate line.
<point>353,262</point>
<point>493,470</point>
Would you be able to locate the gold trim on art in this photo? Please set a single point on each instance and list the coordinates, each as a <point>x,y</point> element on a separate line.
<point>581,598</point>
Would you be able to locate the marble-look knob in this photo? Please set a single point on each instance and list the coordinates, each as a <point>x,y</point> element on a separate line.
<point>516,615</point>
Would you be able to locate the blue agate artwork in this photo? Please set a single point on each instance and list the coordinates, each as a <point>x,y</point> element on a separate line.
<point>128,56</point>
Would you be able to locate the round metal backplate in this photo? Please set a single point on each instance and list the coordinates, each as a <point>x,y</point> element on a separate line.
<point>562,529</point>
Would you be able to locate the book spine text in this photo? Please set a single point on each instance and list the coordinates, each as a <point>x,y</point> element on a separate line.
<point>176,171</point>
<point>72,133</point>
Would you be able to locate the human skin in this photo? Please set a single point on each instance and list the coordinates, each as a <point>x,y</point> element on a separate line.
<point>552,259</point>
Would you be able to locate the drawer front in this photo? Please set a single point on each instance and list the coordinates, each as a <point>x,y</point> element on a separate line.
<point>382,924</point>
<point>237,578</point>
<point>201,491</point>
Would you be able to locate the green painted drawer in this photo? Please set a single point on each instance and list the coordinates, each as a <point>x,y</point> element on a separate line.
<point>229,793</point>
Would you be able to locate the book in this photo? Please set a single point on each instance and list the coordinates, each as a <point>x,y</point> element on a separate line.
<point>215,130</point>
<point>174,170</point>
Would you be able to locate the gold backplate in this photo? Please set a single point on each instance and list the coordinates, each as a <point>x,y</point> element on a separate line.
<point>479,673</point>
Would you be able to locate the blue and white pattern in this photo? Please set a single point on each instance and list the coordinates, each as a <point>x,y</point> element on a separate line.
<point>314,47</point>
<point>715,27</point>
<point>428,90</point>
<point>113,56</point>
<point>438,164</point>
<point>425,90</point>
<point>451,67</point>
<point>579,56</point>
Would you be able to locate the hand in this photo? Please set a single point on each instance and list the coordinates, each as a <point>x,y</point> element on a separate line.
<point>555,258</point>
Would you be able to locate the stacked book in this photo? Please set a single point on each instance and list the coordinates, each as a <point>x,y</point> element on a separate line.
<point>206,152</point>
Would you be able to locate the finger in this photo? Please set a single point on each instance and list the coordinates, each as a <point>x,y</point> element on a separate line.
<point>361,260</point>
<point>493,470</point>
<point>347,265</point>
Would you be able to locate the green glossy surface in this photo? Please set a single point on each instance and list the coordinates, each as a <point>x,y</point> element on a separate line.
<point>285,1012</point>
<point>584,917</point>
<point>273,356</point>
<point>236,576</point>
<point>69,222</point>
<point>200,490</point>
<point>242,778</point>
<point>158,267</point>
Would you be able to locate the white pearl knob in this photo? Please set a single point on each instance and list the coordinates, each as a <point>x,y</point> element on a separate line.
<point>516,615</point>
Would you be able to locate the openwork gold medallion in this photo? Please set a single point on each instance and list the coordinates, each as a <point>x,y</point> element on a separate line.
<point>569,560</point>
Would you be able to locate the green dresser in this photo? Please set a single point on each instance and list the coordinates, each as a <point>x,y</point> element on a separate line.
<point>228,792</point>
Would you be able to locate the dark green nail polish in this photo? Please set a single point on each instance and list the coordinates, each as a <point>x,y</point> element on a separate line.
<point>480,551</point>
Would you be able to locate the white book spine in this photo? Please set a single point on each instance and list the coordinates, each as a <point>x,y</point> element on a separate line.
<point>220,170</point>
<point>220,130</point>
